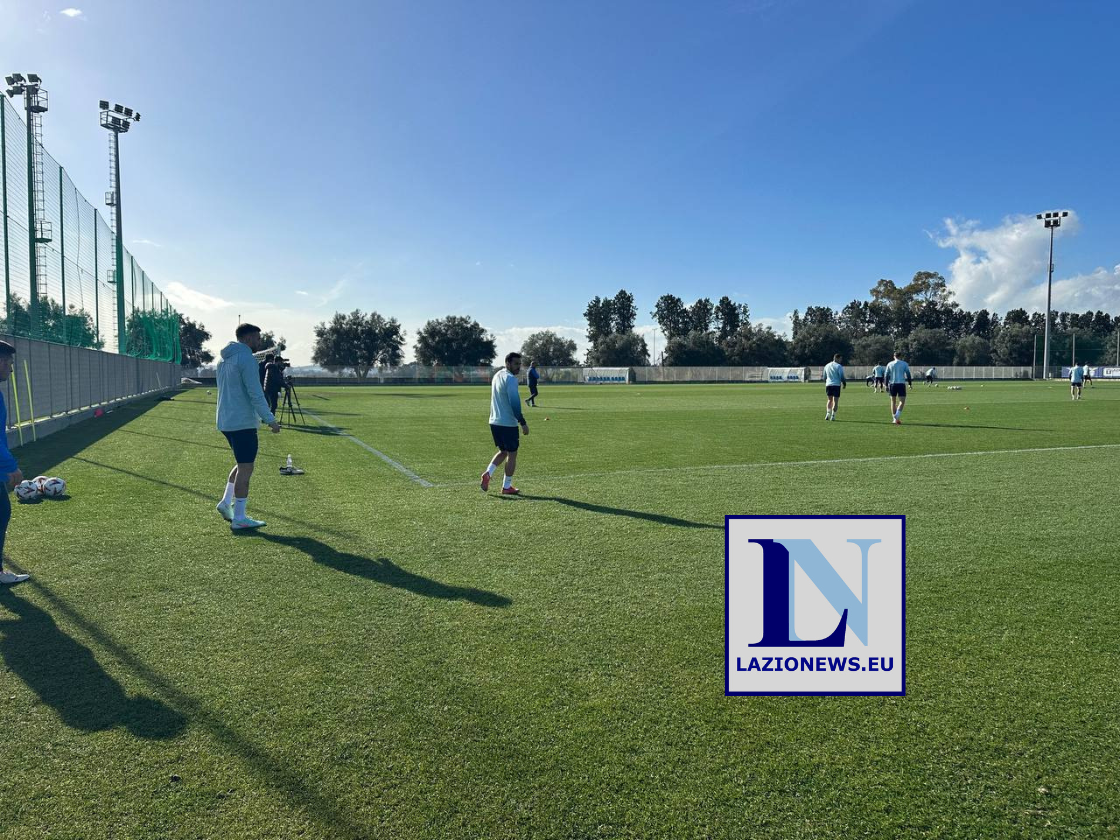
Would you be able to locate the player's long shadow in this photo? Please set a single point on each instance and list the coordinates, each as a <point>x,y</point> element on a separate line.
<point>385,571</point>
<point>324,529</point>
<point>334,431</point>
<point>659,518</point>
<point>65,675</point>
<point>949,425</point>
<point>175,440</point>
<point>333,818</point>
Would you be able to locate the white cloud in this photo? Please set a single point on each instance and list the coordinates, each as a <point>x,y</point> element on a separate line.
<point>185,298</point>
<point>1004,268</point>
<point>72,13</point>
<point>146,242</point>
<point>301,292</point>
<point>782,326</point>
<point>510,340</point>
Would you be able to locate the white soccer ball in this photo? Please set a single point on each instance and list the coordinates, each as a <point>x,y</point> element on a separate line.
<point>27,491</point>
<point>53,487</point>
<point>39,481</point>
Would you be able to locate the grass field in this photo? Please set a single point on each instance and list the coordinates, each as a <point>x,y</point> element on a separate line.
<point>403,656</point>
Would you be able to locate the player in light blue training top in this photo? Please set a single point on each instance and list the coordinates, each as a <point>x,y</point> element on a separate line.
<point>505,417</point>
<point>898,377</point>
<point>833,381</point>
<point>1076,379</point>
<point>880,374</point>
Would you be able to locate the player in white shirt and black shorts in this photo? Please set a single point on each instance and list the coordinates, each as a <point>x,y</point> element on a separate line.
<point>898,378</point>
<point>833,381</point>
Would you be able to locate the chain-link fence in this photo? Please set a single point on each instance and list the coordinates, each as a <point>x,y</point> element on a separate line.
<point>54,241</point>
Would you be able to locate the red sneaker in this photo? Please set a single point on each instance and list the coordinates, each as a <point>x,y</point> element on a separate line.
<point>897,422</point>
<point>510,491</point>
<point>485,483</point>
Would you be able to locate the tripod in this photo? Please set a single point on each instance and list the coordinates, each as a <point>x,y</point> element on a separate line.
<point>290,406</point>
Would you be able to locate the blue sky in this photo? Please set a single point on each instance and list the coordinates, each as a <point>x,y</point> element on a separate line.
<point>509,161</point>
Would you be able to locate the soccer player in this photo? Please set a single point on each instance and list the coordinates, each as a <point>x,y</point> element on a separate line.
<point>240,402</point>
<point>898,378</point>
<point>8,466</point>
<point>532,377</point>
<point>1076,378</point>
<point>833,381</point>
<point>930,375</point>
<point>1088,377</point>
<point>505,417</point>
<point>880,373</point>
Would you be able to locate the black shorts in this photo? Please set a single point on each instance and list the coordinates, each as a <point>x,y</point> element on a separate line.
<point>832,390</point>
<point>532,388</point>
<point>879,380</point>
<point>898,390</point>
<point>506,438</point>
<point>243,442</point>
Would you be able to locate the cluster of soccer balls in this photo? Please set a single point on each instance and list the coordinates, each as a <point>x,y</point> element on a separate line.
<point>40,487</point>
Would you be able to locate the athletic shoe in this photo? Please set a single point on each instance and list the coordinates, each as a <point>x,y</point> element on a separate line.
<point>510,491</point>
<point>226,511</point>
<point>897,422</point>
<point>245,524</point>
<point>485,483</point>
<point>9,578</point>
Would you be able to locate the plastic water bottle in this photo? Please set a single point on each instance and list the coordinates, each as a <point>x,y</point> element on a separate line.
<point>289,462</point>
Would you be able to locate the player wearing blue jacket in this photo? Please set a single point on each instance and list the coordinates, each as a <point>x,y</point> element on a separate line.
<point>505,417</point>
<point>9,469</point>
<point>241,407</point>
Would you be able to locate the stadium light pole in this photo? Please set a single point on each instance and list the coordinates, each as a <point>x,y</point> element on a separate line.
<point>1052,221</point>
<point>39,232</point>
<point>117,120</point>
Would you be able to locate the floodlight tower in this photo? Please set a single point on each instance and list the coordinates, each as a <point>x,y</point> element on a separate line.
<point>1052,221</point>
<point>117,120</point>
<point>39,232</point>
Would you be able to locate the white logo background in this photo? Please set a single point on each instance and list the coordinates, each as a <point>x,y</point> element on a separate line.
<point>814,616</point>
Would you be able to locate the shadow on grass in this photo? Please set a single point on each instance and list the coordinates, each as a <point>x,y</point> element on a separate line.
<point>659,518</point>
<point>385,571</point>
<point>333,431</point>
<point>211,500</point>
<point>334,819</point>
<point>65,675</point>
<point>176,440</point>
<point>905,422</point>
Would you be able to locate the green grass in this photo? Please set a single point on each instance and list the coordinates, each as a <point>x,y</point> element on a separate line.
<point>393,660</point>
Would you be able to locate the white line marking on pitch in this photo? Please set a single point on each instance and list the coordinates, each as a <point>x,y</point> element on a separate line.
<point>394,464</point>
<point>759,464</point>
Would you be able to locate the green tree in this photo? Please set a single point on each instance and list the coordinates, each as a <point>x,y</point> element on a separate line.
<point>757,345</point>
<point>624,313</point>
<point>931,347</point>
<point>730,317</point>
<point>600,319</point>
<point>872,350</point>
<point>1014,345</point>
<point>548,349</point>
<point>456,340</point>
<point>672,316</point>
<point>817,342</point>
<point>700,316</point>
<point>191,338</point>
<point>697,348</point>
<point>359,341</point>
<point>271,343</point>
<point>973,350</point>
<point>619,350</point>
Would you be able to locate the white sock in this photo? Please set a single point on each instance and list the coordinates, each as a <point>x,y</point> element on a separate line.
<point>490,469</point>
<point>507,482</point>
<point>239,508</point>
<point>228,497</point>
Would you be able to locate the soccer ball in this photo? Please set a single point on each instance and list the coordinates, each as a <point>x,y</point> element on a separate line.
<point>39,481</point>
<point>27,491</point>
<point>53,487</point>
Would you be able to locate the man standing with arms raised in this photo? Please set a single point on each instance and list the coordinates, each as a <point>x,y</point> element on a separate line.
<point>898,378</point>
<point>505,417</point>
<point>240,403</point>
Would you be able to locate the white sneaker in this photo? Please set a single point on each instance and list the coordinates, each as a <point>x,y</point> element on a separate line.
<point>226,511</point>
<point>245,524</point>
<point>10,578</point>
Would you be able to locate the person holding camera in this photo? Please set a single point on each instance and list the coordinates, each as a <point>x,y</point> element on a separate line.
<point>273,380</point>
<point>240,402</point>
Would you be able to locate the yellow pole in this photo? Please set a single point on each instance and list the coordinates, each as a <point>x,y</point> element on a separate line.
<point>19,423</point>
<point>30,400</point>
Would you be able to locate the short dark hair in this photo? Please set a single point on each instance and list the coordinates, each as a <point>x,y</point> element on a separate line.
<point>269,357</point>
<point>836,358</point>
<point>6,349</point>
<point>898,354</point>
<point>245,329</point>
<point>511,356</point>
